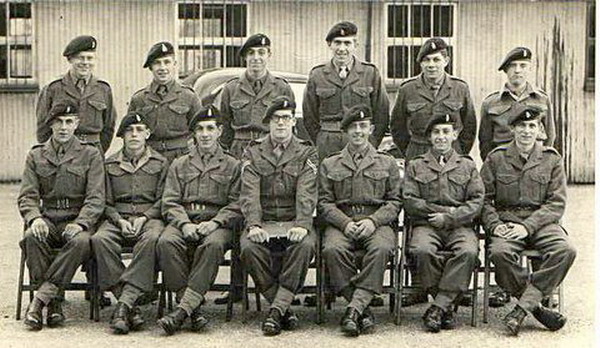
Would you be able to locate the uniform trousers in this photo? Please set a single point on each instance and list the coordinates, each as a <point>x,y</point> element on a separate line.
<point>558,255</point>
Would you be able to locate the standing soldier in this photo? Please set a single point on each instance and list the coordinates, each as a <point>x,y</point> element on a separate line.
<point>134,185</point>
<point>432,92</point>
<point>200,204</point>
<point>359,200</point>
<point>502,105</point>
<point>443,195</point>
<point>92,96</point>
<point>278,197</point>
<point>246,98</point>
<point>61,199</point>
<point>336,86</point>
<point>166,103</point>
<point>525,197</point>
<point>244,101</point>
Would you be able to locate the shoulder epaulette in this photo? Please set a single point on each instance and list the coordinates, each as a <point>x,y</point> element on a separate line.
<point>498,148</point>
<point>466,156</point>
<point>410,79</point>
<point>333,154</point>
<point>190,88</point>
<point>55,80</point>
<point>141,90</point>
<point>494,93</point>
<point>317,66</point>
<point>381,152</point>
<point>457,78</point>
<point>37,145</point>
<point>102,81</point>
<point>551,149</point>
<point>368,63</point>
<point>280,78</point>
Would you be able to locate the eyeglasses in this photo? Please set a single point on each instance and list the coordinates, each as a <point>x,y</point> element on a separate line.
<point>284,118</point>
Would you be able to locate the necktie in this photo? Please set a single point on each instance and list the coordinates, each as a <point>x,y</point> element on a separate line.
<point>343,72</point>
<point>435,89</point>
<point>442,161</point>
<point>357,158</point>
<point>256,86</point>
<point>60,153</point>
<point>278,151</point>
<point>80,85</point>
<point>161,91</point>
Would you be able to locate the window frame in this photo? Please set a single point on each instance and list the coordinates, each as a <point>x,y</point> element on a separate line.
<point>589,84</point>
<point>200,42</point>
<point>12,83</point>
<point>410,41</point>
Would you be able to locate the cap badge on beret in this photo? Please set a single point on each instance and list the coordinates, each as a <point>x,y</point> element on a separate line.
<point>263,41</point>
<point>433,45</point>
<point>164,48</point>
<point>285,104</point>
<point>209,113</point>
<point>342,32</point>
<point>447,117</point>
<point>68,110</point>
<point>362,114</point>
<point>524,53</point>
<point>93,44</point>
<point>138,118</point>
<point>528,115</point>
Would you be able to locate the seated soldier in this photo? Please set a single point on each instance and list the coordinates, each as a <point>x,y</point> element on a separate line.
<point>61,199</point>
<point>134,185</point>
<point>200,205</point>
<point>359,200</point>
<point>278,197</point>
<point>525,197</point>
<point>443,195</point>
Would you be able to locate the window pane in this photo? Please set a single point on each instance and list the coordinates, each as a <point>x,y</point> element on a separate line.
<point>398,21</point>
<point>212,20</point>
<point>397,58</point>
<point>20,27</point>
<point>212,57</point>
<point>235,25</point>
<point>421,20</point>
<point>2,19</point>
<point>591,60</point>
<point>592,21</point>
<point>20,58</point>
<point>233,56</point>
<point>189,59</point>
<point>20,10</point>
<point>442,21</point>
<point>3,62</point>
<point>189,11</point>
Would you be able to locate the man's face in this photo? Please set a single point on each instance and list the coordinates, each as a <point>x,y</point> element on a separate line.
<point>135,136</point>
<point>359,132</point>
<point>343,48</point>
<point>433,65</point>
<point>282,124</point>
<point>517,72</point>
<point>526,132</point>
<point>206,134</point>
<point>257,59</point>
<point>164,69</point>
<point>442,136</point>
<point>63,128</point>
<point>82,64</point>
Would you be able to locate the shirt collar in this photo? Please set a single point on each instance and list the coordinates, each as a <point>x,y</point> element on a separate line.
<point>154,86</point>
<point>75,79</point>
<point>66,146</point>
<point>435,85</point>
<point>349,66</point>
<point>285,143</point>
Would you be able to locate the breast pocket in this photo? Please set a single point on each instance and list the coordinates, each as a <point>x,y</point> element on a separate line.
<point>191,185</point>
<point>428,185</point>
<point>537,186</point>
<point>46,176</point>
<point>375,183</point>
<point>342,184</point>
<point>219,186</point>
<point>241,111</point>
<point>329,103</point>
<point>417,117</point>
<point>457,184</point>
<point>74,180</point>
<point>98,108</point>
<point>507,189</point>
<point>177,117</point>
<point>361,95</point>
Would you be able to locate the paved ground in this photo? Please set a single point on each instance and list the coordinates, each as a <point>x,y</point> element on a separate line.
<point>580,291</point>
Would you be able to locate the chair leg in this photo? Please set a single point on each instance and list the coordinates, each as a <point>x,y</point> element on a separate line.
<point>170,301</point>
<point>232,268</point>
<point>475,297</point>
<point>95,291</point>
<point>245,304</point>
<point>561,299</point>
<point>162,300</point>
<point>20,286</point>
<point>486,285</point>
<point>257,299</point>
<point>319,287</point>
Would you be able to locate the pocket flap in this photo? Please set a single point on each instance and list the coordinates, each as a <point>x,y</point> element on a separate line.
<point>542,178</point>
<point>412,107</point>
<point>507,178</point>
<point>114,170</point>
<point>338,175</point>
<point>45,171</point>
<point>79,171</point>
<point>362,91</point>
<point>498,109</point>
<point>453,105</point>
<point>98,105</point>
<point>326,92</point>
<point>220,178</point>
<point>459,179</point>
<point>377,174</point>
<point>426,178</point>
<point>179,109</point>
<point>291,169</point>
<point>152,167</point>
<point>238,104</point>
<point>189,176</point>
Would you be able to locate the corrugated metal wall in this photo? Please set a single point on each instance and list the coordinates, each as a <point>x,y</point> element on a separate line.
<point>485,31</point>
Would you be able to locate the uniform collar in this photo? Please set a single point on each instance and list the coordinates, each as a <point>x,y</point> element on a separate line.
<point>285,144</point>
<point>349,66</point>
<point>154,86</point>
<point>74,80</point>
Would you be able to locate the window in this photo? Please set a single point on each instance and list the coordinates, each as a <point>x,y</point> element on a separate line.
<point>408,27</point>
<point>590,56</point>
<point>210,35</point>
<point>16,58</point>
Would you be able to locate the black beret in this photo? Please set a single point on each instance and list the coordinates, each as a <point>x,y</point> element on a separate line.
<point>360,112</point>
<point>280,103</point>
<point>527,113</point>
<point>159,50</point>
<point>62,108</point>
<point>204,114</point>
<point>431,46</point>
<point>131,118</point>
<point>440,119</point>
<point>80,44</point>
<point>517,53</point>
<point>341,29</point>
<point>256,40</point>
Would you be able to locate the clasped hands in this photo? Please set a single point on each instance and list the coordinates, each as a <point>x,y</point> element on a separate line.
<point>257,234</point>
<point>511,230</point>
<point>358,230</point>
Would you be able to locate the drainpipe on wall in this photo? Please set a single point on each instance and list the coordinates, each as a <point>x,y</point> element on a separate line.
<point>369,31</point>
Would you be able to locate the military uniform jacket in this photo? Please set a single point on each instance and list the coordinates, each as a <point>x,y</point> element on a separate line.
<point>168,117</point>
<point>456,189</point>
<point>196,192</point>
<point>279,190</point>
<point>134,191</point>
<point>416,104</point>
<point>531,193</point>
<point>97,113</point>
<point>374,183</point>
<point>69,189</point>
<point>242,109</point>
<point>499,107</point>
<point>327,97</point>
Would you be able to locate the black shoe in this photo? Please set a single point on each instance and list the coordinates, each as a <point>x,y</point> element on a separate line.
<point>290,321</point>
<point>33,316</point>
<point>366,322</point>
<point>448,320</point>
<point>349,324</point>
<point>136,320</point>
<point>432,319</point>
<point>55,316</point>
<point>104,300</point>
<point>119,321</point>
<point>376,301</point>
<point>311,300</point>
<point>552,320</point>
<point>198,320</point>
<point>466,300</point>
<point>147,298</point>
<point>513,320</point>
<point>173,321</point>
<point>499,299</point>
<point>223,300</point>
<point>296,302</point>
<point>549,302</point>
<point>271,326</point>
<point>413,299</point>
